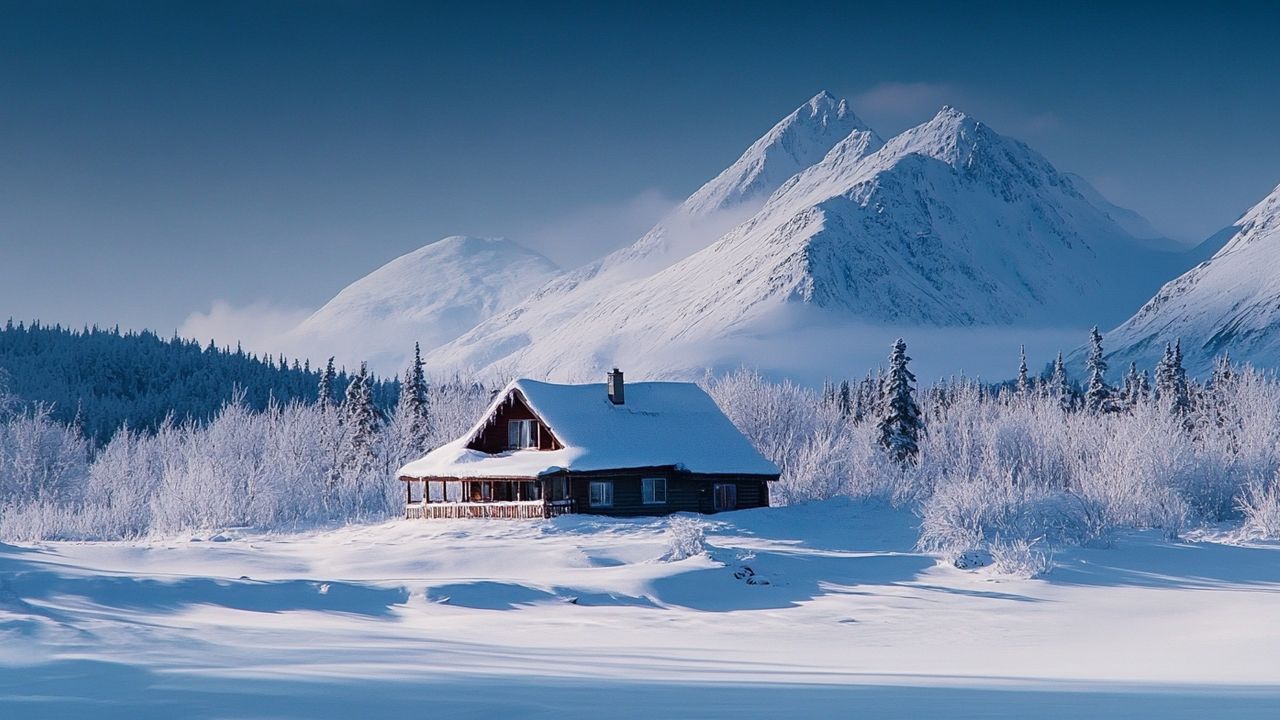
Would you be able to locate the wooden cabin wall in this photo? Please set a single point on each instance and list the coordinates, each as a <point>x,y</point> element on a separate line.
<point>493,438</point>
<point>686,492</point>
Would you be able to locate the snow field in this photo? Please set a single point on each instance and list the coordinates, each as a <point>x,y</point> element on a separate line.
<point>837,614</point>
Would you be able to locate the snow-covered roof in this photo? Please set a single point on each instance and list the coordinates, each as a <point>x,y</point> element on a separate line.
<point>660,424</point>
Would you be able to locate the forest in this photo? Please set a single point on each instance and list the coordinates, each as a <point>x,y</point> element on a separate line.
<point>103,379</point>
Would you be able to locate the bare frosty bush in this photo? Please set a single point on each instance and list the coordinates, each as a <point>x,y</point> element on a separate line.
<point>1260,505</point>
<point>1019,558</point>
<point>280,468</point>
<point>687,537</point>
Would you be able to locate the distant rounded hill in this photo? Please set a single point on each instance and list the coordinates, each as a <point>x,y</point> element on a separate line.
<point>429,296</point>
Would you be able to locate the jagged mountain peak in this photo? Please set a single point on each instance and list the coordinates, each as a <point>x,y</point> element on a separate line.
<point>825,99</point>
<point>958,140</point>
<point>797,141</point>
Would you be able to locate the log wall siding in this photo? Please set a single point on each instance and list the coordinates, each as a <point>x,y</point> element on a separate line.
<point>493,437</point>
<point>686,492</point>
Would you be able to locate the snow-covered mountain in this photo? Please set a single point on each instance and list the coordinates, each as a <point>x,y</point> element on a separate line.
<point>948,224</point>
<point>431,295</point>
<point>796,142</point>
<point>1229,303</point>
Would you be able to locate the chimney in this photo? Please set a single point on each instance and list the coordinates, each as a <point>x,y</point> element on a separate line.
<point>616,394</point>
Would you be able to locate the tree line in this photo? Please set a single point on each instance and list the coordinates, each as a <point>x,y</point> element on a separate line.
<point>102,379</point>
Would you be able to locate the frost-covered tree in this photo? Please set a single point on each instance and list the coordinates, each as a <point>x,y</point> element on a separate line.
<point>1131,392</point>
<point>359,420</point>
<point>1024,380</point>
<point>900,426</point>
<point>1171,380</point>
<point>1223,372</point>
<point>1059,386</point>
<point>1098,396</point>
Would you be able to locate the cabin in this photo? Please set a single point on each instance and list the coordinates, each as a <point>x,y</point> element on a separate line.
<point>543,450</point>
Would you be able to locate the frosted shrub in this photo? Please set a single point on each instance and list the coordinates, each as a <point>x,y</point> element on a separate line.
<point>1128,469</point>
<point>1260,505</point>
<point>40,458</point>
<point>1019,558</point>
<point>820,450</point>
<point>687,537</point>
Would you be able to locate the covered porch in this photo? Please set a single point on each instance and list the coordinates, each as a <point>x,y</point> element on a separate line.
<point>438,498</point>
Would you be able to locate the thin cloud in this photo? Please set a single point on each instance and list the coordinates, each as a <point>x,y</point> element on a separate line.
<point>594,230</point>
<point>894,106</point>
<point>259,326</point>
<point>891,107</point>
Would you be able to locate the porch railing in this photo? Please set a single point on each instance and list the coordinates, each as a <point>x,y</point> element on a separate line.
<point>510,509</point>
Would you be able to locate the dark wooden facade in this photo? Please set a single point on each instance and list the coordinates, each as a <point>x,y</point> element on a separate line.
<point>686,492</point>
<point>493,438</point>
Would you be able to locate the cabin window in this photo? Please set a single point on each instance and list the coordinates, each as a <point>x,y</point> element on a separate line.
<point>601,494</point>
<point>654,490</point>
<point>522,434</point>
<point>726,496</point>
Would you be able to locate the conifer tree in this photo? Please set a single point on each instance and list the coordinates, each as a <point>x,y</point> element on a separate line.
<point>360,421</point>
<point>900,426</point>
<point>412,408</point>
<point>1131,391</point>
<point>1098,396</point>
<point>1024,382</point>
<point>324,393</point>
<point>1171,379</point>
<point>1059,386</point>
<point>1215,397</point>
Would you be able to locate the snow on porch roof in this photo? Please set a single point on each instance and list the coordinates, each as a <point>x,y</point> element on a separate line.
<point>660,424</point>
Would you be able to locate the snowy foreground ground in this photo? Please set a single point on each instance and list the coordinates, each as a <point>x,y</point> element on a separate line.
<point>579,618</point>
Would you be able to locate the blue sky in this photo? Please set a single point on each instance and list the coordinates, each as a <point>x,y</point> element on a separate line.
<point>157,158</point>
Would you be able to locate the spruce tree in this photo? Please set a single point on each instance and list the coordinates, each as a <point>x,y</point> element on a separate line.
<point>1131,392</point>
<point>1171,380</point>
<point>324,393</point>
<point>1060,386</point>
<point>1215,397</point>
<point>360,421</point>
<point>1098,396</point>
<point>900,425</point>
<point>1024,382</point>
<point>412,408</point>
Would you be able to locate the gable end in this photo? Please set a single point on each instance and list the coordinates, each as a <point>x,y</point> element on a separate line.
<point>491,438</point>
